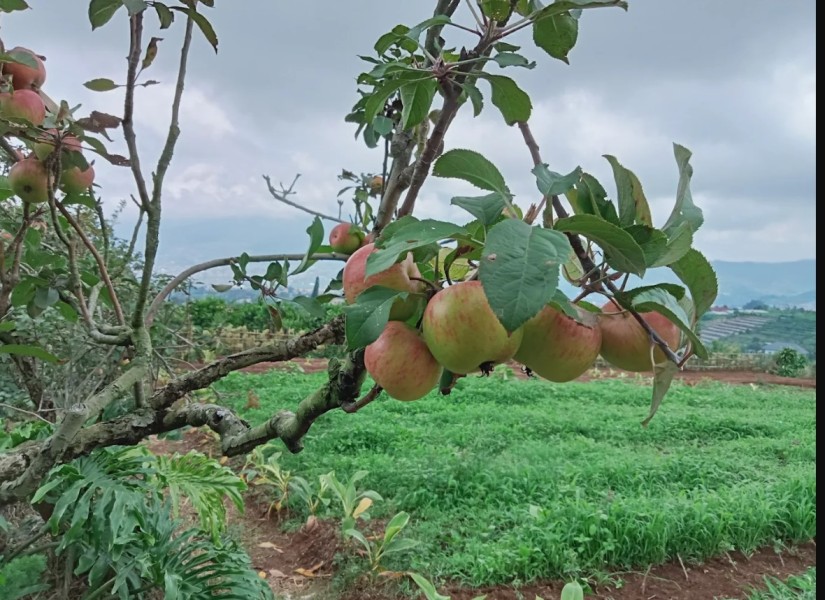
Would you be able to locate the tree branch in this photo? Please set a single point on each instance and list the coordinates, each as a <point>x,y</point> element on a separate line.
<point>401,149</point>
<point>282,197</point>
<point>224,262</point>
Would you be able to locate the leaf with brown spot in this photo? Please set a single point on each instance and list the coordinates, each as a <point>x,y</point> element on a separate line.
<point>362,507</point>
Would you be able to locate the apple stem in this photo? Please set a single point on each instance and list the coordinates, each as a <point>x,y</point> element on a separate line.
<point>352,407</point>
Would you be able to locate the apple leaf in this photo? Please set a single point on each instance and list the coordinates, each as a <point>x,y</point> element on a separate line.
<point>660,300</point>
<point>28,350</point>
<point>416,98</point>
<point>366,319</point>
<point>562,6</point>
<point>684,211</point>
<point>375,103</point>
<point>316,238</point>
<point>487,209</point>
<point>472,167</point>
<point>411,235</point>
<point>700,278</point>
<point>652,241</point>
<point>556,35</point>
<point>589,197</point>
<point>512,59</point>
<point>476,99</point>
<point>633,206</point>
<point>135,6</point>
<point>551,183</point>
<point>101,85</point>
<point>679,242</point>
<point>5,188</point>
<point>621,250</point>
<point>663,375</point>
<point>520,269</point>
<point>165,16</point>
<point>509,98</point>
<point>310,305</point>
<point>12,5</point>
<point>22,58</point>
<point>101,11</point>
<point>203,24</point>
<point>415,32</point>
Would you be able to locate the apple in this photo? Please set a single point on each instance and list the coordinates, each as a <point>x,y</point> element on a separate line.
<point>75,181</point>
<point>23,104</point>
<point>558,347</point>
<point>47,141</point>
<point>625,343</point>
<point>24,76</point>
<point>398,277</point>
<point>345,238</point>
<point>377,184</point>
<point>400,362</point>
<point>462,331</point>
<point>29,180</point>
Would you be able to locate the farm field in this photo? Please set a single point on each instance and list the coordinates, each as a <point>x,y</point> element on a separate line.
<point>511,482</point>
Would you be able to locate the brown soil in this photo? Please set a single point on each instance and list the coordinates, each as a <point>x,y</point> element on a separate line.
<point>316,365</point>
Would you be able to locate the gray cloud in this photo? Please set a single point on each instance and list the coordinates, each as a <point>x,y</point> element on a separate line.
<point>734,81</point>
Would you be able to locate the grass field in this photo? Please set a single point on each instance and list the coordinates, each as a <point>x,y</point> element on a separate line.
<point>510,481</point>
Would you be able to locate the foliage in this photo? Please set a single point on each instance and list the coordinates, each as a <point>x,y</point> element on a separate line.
<point>355,502</point>
<point>389,543</point>
<point>799,587</point>
<point>23,576</point>
<point>790,363</point>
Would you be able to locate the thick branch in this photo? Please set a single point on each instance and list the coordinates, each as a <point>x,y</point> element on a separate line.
<point>587,263</point>
<point>282,197</point>
<point>223,262</point>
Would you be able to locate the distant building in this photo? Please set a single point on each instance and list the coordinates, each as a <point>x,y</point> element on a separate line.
<point>720,310</point>
<point>774,347</point>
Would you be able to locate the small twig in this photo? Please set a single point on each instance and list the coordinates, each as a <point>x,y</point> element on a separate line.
<point>481,23</point>
<point>353,407</point>
<point>22,410</point>
<point>684,570</point>
<point>282,197</point>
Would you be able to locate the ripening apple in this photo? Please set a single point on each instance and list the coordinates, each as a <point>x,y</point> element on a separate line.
<point>558,347</point>
<point>75,181</point>
<point>398,277</point>
<point>345,238</point>
<point>47,141</point>
<point>400,362</point>
<point>29,180</point>
<point>625,343</point>
<point>462,331</point>
<point>23,104</point>
<point>24,76</point>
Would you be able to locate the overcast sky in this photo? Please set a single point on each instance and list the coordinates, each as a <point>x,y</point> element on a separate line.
<point>734,81</point>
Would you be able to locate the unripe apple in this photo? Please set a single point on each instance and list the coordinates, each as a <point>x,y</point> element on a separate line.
<point>23,76</point>
<point>75,181</point>
<point>345,238</point>
<point>48,140</point>
<point>625,343</point>
<point>23,104</point>
<point>29,180</point>
<point>397,277</point>
<point>400,362</point>
<point>558,347</point>
<point>377,184</point>
<point>462,331</point>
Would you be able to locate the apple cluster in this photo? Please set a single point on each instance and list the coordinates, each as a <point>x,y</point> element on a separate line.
<point>459,332</point>
<point>21,102</point>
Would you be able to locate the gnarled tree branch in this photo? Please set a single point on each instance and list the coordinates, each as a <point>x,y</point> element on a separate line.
<point>282,196</point>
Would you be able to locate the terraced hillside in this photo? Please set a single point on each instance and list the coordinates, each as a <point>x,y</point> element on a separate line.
<point>752,332</point>
<point>719,329</point>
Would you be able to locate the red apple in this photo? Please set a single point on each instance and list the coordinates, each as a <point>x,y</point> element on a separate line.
<point>462,331</point>
<point>29,180</point>
<point>23,76</point>
<point>23,104</point>
<point>400,362</point>
<point>558,347</point>
<point>75,181</point>
<point>345,238</point>
<point>397,277</point>
<point>48,140</point>
<point>625,343</point>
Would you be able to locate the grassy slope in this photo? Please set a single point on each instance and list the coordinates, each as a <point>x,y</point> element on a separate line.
<point>720,467</point>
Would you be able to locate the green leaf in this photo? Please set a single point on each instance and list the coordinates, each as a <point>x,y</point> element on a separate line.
<point>135,6</point>
<point>416,98</point>
<point>23,58</point>
<point>476,99</point>
<point>621,250</point>
<point>12,5</point>
<point>410,235</point>
<point>520,269</point>
<point>472,167</point>
<point>316,238</point>
<point>590,198</point>
<point>367,318</point>
<point>376,101</point>
<point>572,591</point>
<point>427,588</point>
<point>165,16</point>
<point>310,305</point>
<point>417,30</point>
<point>677,291</point>
<point>396,524</point>
<point>556,35</point>
<point>680,239</point>
<point>633,206</point>
<point>510,99</point>
<point>551,183</point>
<point>101,11</point>
<point>663,375</point>
<point>28,350</point>
<point>101,85</point>
<point>665,303</point>
<point>562,6</point>
<point>653,242</point>
<point>487,209</point>
<point>354,533</point>
<point>700,278</point>
<point>511,59</point>
<point>5,188</point>
<point>399,545</point>
<point>203,24</point>
<point>45,297</point>
<point>684,211</point>
<point>382,125</point>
